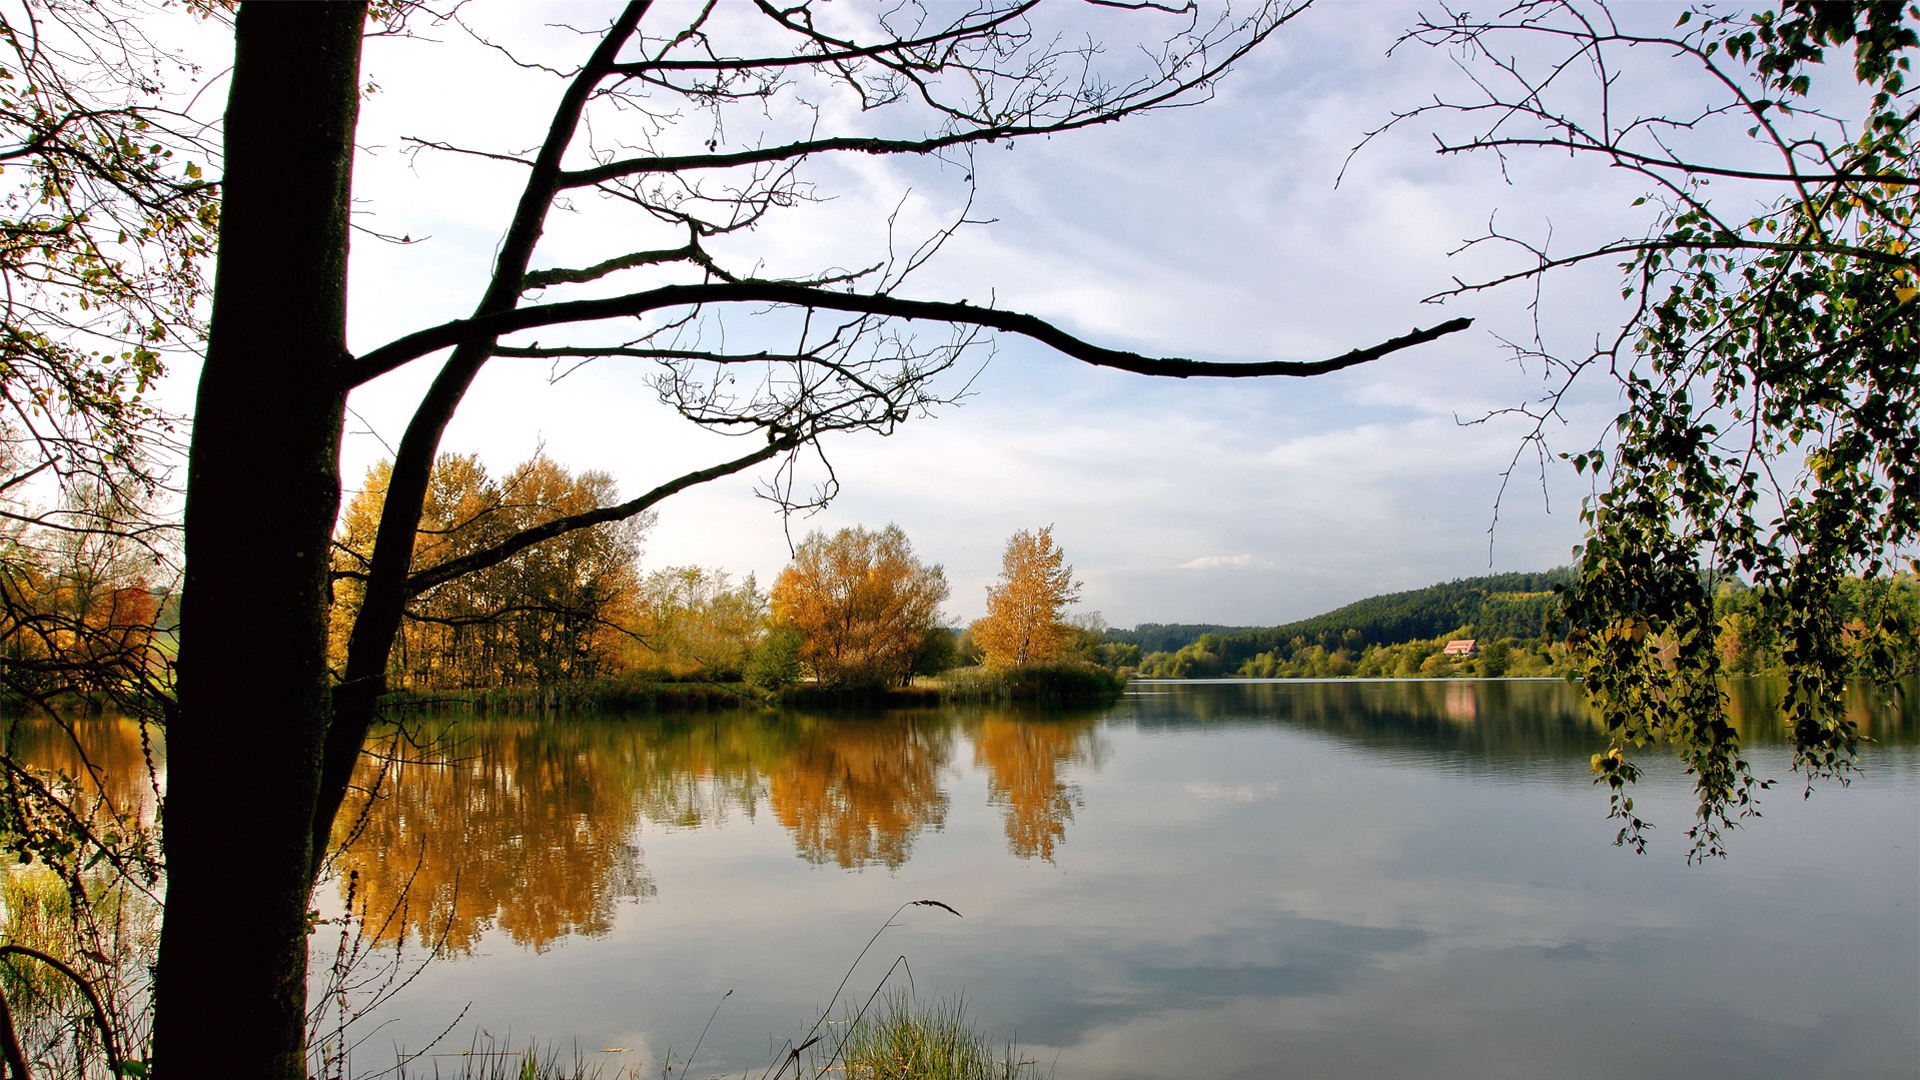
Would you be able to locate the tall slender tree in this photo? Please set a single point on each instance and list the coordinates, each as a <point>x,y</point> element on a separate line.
<point>1023,623</point>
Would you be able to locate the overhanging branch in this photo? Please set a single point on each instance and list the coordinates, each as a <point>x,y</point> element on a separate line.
<point>488,328</point>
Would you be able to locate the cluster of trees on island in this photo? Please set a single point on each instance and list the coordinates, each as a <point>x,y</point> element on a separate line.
<point>856,610</point>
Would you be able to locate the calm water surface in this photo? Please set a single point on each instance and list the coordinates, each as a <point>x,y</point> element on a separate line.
<point>1234,879</point>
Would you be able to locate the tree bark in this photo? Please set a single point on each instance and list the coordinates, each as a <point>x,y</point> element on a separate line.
<point>263,492</point>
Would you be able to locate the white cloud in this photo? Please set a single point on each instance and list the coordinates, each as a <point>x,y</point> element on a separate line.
<point>1215,562</point>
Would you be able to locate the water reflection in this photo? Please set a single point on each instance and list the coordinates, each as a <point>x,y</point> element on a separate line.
<point>1248,874</point>
<point>522,826</point>
<point>533,827</point>
<point>104,757</point>
<point>1023,758</point>
<point>857,791</point>
<point>1494,719</point>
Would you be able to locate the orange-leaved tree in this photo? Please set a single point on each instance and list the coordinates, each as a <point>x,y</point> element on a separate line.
<point>862,603</point>
<point>551,612</point>
<point>1023,624</point>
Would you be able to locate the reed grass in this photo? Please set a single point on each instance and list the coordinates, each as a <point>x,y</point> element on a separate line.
<point>910,1040</point>
<point>637,692</point>
<point>1062,683</point>
<point>488,1058</point>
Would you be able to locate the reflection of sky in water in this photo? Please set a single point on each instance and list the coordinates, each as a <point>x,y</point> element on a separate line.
<point>1251,881</point>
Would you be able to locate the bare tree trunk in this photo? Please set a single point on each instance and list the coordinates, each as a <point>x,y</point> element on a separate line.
<point>244,752</point>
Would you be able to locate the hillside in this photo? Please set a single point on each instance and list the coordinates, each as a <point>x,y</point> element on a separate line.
<point>1366,633</point>
<point>1516,605</point>
<point>1499,605</point>
<point>1156,637</point>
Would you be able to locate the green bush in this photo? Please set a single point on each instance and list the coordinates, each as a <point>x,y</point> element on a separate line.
<point>774,664</point>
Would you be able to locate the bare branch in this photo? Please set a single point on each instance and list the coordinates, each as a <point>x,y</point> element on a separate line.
<point>492,327</point>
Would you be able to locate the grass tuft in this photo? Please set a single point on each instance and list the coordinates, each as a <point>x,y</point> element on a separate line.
<point>486,1059</point>
<point>911,1041</point>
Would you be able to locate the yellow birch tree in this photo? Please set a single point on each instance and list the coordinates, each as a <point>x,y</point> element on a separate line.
<point>1023,624</point>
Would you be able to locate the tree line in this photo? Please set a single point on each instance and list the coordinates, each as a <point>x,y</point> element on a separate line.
<point>855,610</point>
<point>1519,627</point>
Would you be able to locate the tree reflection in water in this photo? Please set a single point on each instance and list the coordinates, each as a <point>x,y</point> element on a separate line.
<point>1023,758</point>
<point>527,827</point>
<point>530,826</point>
<point>857,791</point>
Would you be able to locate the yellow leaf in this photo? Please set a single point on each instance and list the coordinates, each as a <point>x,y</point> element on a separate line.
<point>1905,292</point>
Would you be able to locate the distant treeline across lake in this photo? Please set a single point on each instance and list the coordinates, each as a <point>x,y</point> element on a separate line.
<point>1501,625</point>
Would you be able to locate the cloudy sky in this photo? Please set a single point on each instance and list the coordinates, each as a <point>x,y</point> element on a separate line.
<point>1216,231</point>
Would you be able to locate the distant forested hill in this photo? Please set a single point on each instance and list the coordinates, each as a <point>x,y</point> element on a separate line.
<point>1517,623</point>
<point>1156,637</point>
<point>1500,605</point>
<point>1365,634</point>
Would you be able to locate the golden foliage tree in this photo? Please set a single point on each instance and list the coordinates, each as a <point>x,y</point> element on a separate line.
<point>1023,624</point>
<point>551,612</point>
<point>862,603</point>
<point>79,614</point>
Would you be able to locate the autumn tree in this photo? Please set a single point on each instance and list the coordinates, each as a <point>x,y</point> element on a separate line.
<point>556,611</point>
<point>80,602</point>
<point>105,218</point>
<point>689,128</point>
<point>862,604</point>
<point>1023,624</point>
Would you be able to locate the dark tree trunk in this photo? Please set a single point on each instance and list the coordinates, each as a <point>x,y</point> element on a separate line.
<point>263,491</point>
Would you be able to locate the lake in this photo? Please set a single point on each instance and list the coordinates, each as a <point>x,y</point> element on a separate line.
<point>1227,879</point>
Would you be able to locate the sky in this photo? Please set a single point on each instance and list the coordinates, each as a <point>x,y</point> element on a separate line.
<point>1216,231</point>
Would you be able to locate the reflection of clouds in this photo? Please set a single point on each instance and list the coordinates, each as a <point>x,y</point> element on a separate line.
<point>1234,792</point>
<point>1387,918</point>
<point>1378,909</point>
<point>1519,1012</point>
